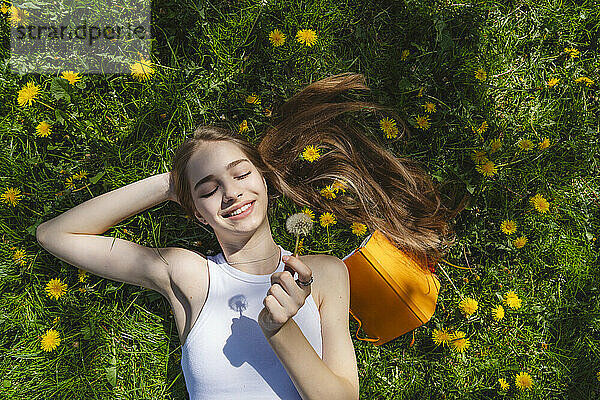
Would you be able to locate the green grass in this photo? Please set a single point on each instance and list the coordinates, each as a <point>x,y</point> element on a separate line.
<point>209,57</point>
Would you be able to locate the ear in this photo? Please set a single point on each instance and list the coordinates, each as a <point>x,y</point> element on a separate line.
<point>199,217</point>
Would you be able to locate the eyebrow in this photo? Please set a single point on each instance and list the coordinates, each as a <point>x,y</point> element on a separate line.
<point>211,176</point>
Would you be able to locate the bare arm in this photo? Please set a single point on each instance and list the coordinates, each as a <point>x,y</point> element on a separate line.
<point>74,236</point>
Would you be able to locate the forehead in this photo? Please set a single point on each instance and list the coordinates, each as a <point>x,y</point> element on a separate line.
<point>212,158</point>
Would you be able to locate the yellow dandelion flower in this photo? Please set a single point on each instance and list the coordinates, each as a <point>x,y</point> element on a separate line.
<point>142,70</point>
<point>459,342</point>
<point>479,156</point>
<point>80,175</point>
<point>43,129</point>
<point>243,126</point>
<point>386,124</point>
<point>69,182</point>
<point>441,337</point>
<point>327,219</point>
<point>253,99</point>
<point>311,153</point>
<point>55,288</point>
<point>572,52</point>
<point>404,55</point>
<point>420,94</point>
<point>503,384</point>
<point>359,229</point>
<point>11,196</point>
<point>28,94</point>
<point>488,168</point>
<point>512,300</point>
<point>423,122</point>
<point>508,226</point>
<point>523,381</point>
<point>82,275</point>
<point>309,212</point>
<point>481,74</point>
<point>339,186</point>
<point>553,82</point>
<point>584,79</point>
<point>483,127</point>
<point>71,76</point>
<point>4,8</point>
<point>495,145</point>
<point>19,257</point>
<point>520,242</point>
<point>392,133</point>
<point>544,144</point>
<point>498,312</point>
<point>328,192</point>
<point>525,144</point>
<point>18,16</point>
<point>307,37</point>
<point>276,37</point>
<point>468,306</point>
<point>50,340</point>
<point>540,203</point>
<point>429,107</point>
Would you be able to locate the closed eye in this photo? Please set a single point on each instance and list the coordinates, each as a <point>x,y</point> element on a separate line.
<point>237,177</point>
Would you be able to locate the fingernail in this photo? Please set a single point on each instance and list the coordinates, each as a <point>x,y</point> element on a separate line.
<point>285,258</point>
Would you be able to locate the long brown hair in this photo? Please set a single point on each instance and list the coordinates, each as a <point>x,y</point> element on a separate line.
<point>391,194</point>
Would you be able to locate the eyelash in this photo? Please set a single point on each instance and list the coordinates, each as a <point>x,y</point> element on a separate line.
<point>238,177</point>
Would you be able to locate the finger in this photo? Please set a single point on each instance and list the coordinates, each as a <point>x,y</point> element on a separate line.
<point>295,291</point>
<point>289,284</point>
<point>276,311</point>
<point>304,273</point>
<point>287,301</point>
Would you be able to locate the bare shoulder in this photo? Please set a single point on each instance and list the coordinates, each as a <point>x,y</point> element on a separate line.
<point>327,269</point>
<point>185,268</point>
<point>185,286</point>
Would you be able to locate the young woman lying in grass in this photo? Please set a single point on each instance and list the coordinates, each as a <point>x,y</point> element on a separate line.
<point>254,320</point>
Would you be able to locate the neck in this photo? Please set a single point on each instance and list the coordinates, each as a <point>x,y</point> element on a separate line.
<point>259,255</point>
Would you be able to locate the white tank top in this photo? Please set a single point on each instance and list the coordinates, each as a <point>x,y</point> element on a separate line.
<point>225,355</point>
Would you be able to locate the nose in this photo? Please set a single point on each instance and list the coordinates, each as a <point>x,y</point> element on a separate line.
<point>232,192</point>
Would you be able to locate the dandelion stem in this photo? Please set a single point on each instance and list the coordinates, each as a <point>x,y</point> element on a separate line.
<point>33,211</point>
<point>452,283</point>
<point>49,106</point>
<point>296,247</point>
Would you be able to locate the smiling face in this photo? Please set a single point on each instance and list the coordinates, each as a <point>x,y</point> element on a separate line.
<point>215,188</point>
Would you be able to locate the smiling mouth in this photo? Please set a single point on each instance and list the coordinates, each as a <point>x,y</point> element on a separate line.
<point>248,206</point>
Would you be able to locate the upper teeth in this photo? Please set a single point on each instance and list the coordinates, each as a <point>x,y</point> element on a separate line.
<point>240,210</point>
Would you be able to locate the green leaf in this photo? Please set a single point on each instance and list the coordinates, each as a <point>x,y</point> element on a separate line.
<point>438,176</point>
<point>111,371</point>
<point>60,115</point>
<point>111,374</point>
<point>31,229</point>
<point>87,332</point>
<point>51,147</point>
<point>58,88</point>
<point>97,177</point>
<point>403,84</point>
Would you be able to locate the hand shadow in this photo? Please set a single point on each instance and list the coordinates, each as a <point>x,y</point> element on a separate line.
<point>247,343</point>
